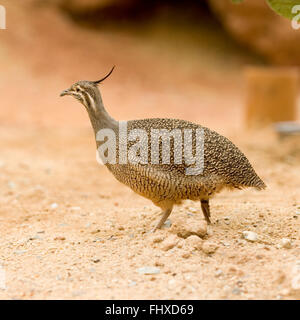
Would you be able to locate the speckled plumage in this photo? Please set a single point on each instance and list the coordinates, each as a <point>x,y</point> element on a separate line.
<point>225,166</point>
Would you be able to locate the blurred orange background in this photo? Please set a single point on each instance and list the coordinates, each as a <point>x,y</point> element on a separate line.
<point>172,60</point>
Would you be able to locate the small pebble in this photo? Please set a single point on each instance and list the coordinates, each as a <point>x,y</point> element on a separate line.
<point>63,225</point>
<point>96,260</point>
<point>158,238</point>
<point>250,236</point>
<point>187,227</point>
<point>20,252</point>
<point>12,185</point>
<point>286,243</point>
<point>36,237</point>
<point>148,270</point>
<point>75,208</point>
<point>170,242</point>
<point>168,223</point>
<point>218,273</point>
<point>78,293</point>
<point>236,291</point>
<point>132,284</point>
<point>186,254</point>
<point>209,247</point>
<point>60,238</point>
<point>296,282</point>
<point>53,205</point>
<point>194,241</point>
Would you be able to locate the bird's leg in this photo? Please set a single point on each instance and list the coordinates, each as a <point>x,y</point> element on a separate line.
<point>165,216</point>
<point>205,210</point>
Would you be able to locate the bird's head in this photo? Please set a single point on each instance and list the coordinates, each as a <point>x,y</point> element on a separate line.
<point>85,91</point>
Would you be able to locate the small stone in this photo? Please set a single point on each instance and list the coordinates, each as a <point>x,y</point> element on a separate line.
<point>285,292</point>
<point>148,270</point>
<point>63,225</point>
<point>170,242</point>
<point>218,273</point>
<point>199,228</point>
<point>159,264</point>
<point>53,206</point>
<point>186,254</point>
<point>60,238</point>
<point>20,252</point>
<point>171,282</point>
<point>209,247</point>
<point>158,238</point>
<point>12,185</point>
<point>296,282</point>
<point>168,223</point>
<point>96,260</point>
<point>95,231</point>
<point>250,236</point>
<point>75,208</point>
<point>131,284</point>
<point>296,267</point>
<point>78,293</point>
<point>190,226</point>
<point>286,243</point>
<point>194,241</point>
<point>236,291</point>
<point>225,244</point>
<point>36,237</point>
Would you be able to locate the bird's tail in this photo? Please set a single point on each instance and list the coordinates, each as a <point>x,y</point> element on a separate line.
<point>258,184</point>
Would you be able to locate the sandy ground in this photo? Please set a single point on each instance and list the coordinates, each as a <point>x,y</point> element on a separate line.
<point>69,230</point>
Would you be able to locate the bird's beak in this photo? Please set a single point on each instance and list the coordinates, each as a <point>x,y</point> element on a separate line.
<point>65,93</point>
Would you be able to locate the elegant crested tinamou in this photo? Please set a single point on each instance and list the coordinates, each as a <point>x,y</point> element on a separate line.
<point>166,184</point>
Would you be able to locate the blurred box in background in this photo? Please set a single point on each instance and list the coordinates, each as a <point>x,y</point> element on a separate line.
<point>271,94</point>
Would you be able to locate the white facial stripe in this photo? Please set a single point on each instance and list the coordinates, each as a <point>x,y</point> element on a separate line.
<point>92,102</point>
<point>85,96</point>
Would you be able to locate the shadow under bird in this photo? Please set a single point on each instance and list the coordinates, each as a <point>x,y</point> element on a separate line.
<point>167,184</point>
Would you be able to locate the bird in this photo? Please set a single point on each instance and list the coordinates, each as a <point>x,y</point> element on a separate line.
<point>167,184</point>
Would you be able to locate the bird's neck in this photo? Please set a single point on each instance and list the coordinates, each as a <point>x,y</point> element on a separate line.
<point>99,117</point>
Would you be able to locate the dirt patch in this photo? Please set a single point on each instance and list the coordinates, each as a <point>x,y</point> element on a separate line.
<point>69,230</point>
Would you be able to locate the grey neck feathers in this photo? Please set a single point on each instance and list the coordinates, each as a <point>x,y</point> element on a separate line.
<point>99,117</point>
